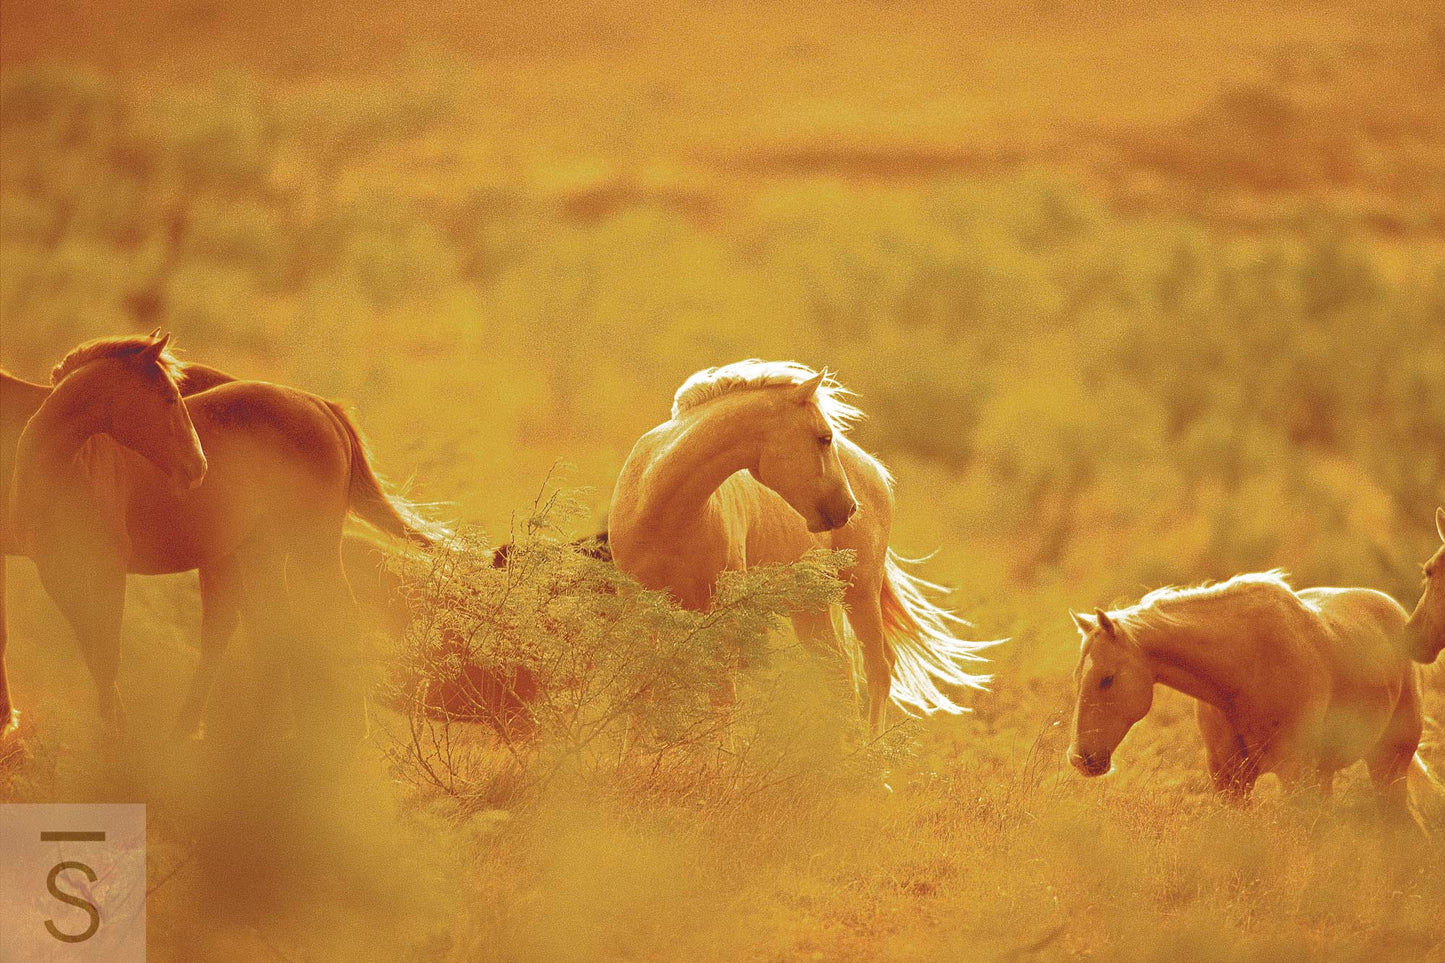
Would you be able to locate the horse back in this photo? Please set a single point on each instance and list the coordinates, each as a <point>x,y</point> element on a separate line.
<point>1356,613</point>
<point>1362,629</point>
<point>272,415</point>
<point>195,378</point>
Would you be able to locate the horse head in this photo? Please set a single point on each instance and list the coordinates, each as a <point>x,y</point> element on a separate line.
<point>1115,690</point>
<point>799,459</point>
<point>1425,632</point>
<point>135,380</point>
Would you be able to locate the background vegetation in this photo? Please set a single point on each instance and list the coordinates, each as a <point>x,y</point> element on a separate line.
<point>1133,295</point>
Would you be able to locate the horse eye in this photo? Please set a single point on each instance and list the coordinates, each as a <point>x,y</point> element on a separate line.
<point>825,439</point>
<point>1106,681</point>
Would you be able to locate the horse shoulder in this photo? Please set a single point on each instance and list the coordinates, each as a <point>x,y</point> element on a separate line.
<point>762,528</point>
<point>1287,643</point>
<point>97,493</point>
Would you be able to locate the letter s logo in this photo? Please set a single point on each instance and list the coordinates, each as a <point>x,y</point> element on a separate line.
<point>84,904</point>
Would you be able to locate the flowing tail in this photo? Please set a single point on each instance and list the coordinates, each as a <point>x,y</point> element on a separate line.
<point>1427,798</point>
<point>930,666</point>
<point>370,501</point>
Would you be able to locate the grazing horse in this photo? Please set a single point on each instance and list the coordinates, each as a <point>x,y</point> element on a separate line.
<point>1425,632</point>
<point>1301,684</point>
<point>755,468</point>
<point>250,483</point>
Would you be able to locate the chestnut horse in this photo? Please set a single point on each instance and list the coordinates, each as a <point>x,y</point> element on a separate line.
<point>19,400</point>
<point>1301,684</point>
<point>1425,632</point>
<point>248,482</point>
<point>755,468</point>
<point>375,587</point>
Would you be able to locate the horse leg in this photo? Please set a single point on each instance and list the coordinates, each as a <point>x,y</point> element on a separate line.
<point>1394,754</point>
<point>815,631</point>
<point>819,638</point>
<point>220,614</point>
<point>262,575</point>
<point>9,718</point>
<point>323,676</point>
<point>865,615</point>
<point>1229,767</point>
<point>1301,754</point>
<point>92,598</point>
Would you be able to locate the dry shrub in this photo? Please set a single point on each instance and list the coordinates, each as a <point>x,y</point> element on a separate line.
<point>558,665</point>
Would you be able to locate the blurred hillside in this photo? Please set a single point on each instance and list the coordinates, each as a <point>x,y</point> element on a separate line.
<point>1133,294</point>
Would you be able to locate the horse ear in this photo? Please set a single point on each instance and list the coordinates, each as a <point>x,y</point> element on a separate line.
<point>154,349</point>
<point>1084,622</point>
<point>1105,622</point>
<point>805,391</point>
<point>1440,522</point>
<point>155,332</point>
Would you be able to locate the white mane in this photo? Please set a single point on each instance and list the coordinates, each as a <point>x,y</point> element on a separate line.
<point>711,383</point>
<point>1155,608</point>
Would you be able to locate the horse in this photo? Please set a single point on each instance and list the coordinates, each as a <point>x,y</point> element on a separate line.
<point>755,468</point>
<point>1425,632</point>
<point>377,589</point>
<point>19,400</point>
<point>1301,684</point>
<point>249,483</point>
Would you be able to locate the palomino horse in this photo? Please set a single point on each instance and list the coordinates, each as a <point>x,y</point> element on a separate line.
<point>1301,684</point>
<point>249,482</point>
<point>375,587</point>
<point>754,468</point>
<point>1425,632</point>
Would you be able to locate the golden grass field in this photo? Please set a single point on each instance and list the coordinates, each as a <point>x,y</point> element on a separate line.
<point>1133,294</point>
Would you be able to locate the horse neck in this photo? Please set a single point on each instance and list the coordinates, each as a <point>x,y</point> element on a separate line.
<point>22,394</point>
<point>19,401</point>
<point>1193,658</point>
<point>713,442</point>
<point>73,412</point>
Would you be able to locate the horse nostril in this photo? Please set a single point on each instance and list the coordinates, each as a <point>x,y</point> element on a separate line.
<point>852,510</point>
<point>1090,763</point>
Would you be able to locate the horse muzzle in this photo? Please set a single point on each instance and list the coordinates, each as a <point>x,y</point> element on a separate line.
<point>1090,763</point>
<point>832,521</point>
<point>190,479</point>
